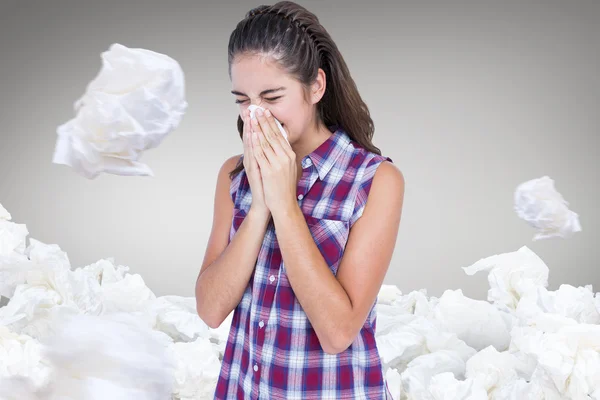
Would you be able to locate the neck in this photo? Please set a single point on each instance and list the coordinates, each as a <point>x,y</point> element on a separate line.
<point>310,140</point>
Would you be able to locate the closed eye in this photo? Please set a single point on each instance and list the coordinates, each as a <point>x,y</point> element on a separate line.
<point>268,99</point>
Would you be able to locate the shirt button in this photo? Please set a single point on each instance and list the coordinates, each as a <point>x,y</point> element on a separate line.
<point>261,324</point>
<point>255,367</point>
<point>272,278</point>
<point>300,197</point>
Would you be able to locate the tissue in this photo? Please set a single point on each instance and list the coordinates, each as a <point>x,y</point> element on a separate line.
<point>4,214</point>
<point>134,102</point>
<point>108,357</point>
<point>98,332</point>
<point>541,206</point>
<point>253,109</point>
<point>511,275</point>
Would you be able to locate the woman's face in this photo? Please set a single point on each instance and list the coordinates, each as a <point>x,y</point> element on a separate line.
<point>256,80</point>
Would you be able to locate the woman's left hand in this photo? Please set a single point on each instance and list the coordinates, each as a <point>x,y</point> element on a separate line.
<point>277,163</point>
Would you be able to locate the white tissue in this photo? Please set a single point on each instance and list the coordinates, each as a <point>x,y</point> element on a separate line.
<point>445,386</point>
<point>253,109</point>
<point>13,261</point>
<point>134,102</point>
<point>197,369</point>
<point>492,369</point>
<point>476,322</point>
<point>541,206</point>
<point>99,332</point>
<point>4,214</point>
<point>109,357</point>
<point>511,275</point>
<point>394,383</point>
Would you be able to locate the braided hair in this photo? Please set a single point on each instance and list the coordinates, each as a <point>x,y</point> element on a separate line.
<point>294,38</point>
<point>303,27</point>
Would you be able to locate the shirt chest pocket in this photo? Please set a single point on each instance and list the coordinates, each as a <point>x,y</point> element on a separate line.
<point>330,236</point>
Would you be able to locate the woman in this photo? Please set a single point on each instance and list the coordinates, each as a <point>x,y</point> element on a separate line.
<point>296,250</point>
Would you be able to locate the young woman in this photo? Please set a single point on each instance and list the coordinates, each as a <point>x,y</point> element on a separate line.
<point>304,231</point>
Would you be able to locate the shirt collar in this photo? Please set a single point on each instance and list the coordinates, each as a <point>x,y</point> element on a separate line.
<point>325,156</point>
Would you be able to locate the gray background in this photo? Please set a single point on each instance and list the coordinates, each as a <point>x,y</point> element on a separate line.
<point>469,99</point>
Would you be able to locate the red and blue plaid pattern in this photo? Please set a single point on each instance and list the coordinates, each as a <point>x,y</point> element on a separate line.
<point>272,351</point>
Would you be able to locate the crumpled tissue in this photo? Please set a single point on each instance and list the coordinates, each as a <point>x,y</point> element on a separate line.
<point>476,322</point>
<point>511,275</point>
<point>134,102</point>
<point>541,206</point>
<point>108,357</point>
<point>4,214</point>
<point>13,261</point>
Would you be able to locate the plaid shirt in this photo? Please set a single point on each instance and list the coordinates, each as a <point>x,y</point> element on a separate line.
<point>273,351</point>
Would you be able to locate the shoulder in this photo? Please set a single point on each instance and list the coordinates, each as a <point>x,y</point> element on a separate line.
<point>381,190</point>
<point>378,181</point>
<point>371,165</point>
<point>386,192</point>
<point>225,181</point>
<point>389,177</point>
<point>229,164</point>
<point>361,157</point>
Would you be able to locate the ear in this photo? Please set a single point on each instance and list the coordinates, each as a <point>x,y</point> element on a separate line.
<point>318,87</point>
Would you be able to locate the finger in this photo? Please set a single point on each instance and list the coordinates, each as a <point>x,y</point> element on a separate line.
<point>272,147</point>
<point>249,135</point>
<point>265,144</point>
<point>246,136</point>
<point>251,160</point>
<point>265,126</point>
<point>246,147</point>
<point>285,146</point>
<point>272,124</point>
<point>244,129</point>
<point>278,137</point>
<point>258,152</point>
<point>277,140</point>
<point>274,158</point>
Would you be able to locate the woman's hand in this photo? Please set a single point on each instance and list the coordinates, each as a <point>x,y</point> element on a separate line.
<point>252,171</point>
<point>277,163</point>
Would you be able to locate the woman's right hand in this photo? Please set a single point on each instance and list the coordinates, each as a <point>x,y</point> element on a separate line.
<point>252,171</point>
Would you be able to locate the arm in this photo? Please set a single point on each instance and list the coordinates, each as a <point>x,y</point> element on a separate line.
<point>337,306</point>
<point>226,269</point>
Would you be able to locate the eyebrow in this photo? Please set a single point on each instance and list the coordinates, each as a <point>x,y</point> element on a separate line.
<point>261,93</point>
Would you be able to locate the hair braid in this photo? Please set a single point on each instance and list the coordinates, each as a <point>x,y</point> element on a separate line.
<point>294,19</point>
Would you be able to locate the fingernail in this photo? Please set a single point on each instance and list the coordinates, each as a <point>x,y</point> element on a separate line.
<point>268,113</point>
<point>259,112</point>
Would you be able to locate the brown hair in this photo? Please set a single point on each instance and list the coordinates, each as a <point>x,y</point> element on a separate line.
<point>297,41</point>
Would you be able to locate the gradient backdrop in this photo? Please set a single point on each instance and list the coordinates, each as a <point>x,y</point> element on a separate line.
<point>469,98</point>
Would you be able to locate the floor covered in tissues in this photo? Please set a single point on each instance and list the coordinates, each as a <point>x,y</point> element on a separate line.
<point>98,332</point>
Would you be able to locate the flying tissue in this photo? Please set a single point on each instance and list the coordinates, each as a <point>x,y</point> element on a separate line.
<point>253,109</point>
<point>134,102</point>
<point>539,204</point>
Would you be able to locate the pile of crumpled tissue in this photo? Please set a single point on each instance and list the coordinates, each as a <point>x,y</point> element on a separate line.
<point>65,330</point>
